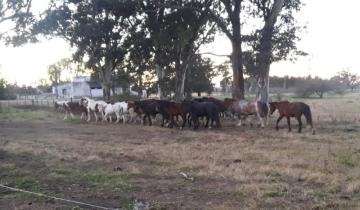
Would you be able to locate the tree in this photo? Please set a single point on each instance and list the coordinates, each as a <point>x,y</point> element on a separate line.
<point>19,15</point>
<point>54,73</point>
<point>225,83</point>
<point>308,87</point>
<point>274,41</point>
<point>97,29</point>
<point>200,75</point>
<point>346,78</point>
<point>226,14</point>
<point>3,89</point>
<point>44,86</point>
<point>154,21</point>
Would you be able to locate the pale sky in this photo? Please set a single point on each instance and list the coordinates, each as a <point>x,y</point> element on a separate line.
<point>332,42</point>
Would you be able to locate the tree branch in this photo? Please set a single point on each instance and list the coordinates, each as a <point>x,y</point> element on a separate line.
<point>219,55</point>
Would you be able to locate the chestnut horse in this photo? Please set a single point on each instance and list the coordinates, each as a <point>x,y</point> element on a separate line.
<point>292,109</point>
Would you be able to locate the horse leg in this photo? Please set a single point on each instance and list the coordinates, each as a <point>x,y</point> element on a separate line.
<point>72,115</point>
<point>189,119</point>
<point>183,116</point>
<point>125,118</point>
<point>207,122</point>
<point>96,117</point>
<point>117,117</point>
<point>277,122</point>
<point>149,117</point>
<point>82,116</point>
<point>144,119</point>
<point>239,123</point>
<point>267,114</point>
<point>195,122</point>
<point>261,120</point>
<point>288,122</point>
<point>300,123</point>
<point>89,115</point>
<point>66,115</point>
<point>163,120</point>
<point>171,121</point>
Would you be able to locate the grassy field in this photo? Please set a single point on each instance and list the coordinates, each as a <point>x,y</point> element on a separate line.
<point>118,166</point>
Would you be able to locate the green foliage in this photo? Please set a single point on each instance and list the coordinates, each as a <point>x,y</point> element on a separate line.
<point>225,83</point>
<point>127,97</point>
<point>2,89</point>
<point>98,31</point>
<point>19,14</point>
<point>8,91</point>
<point>200,75</point>
<point>347,79</point>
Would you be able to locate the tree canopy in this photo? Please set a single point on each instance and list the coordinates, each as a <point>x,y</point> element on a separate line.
<point>155,44</point>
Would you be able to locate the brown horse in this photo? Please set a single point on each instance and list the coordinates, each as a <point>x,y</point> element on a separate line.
<point>294,109</point>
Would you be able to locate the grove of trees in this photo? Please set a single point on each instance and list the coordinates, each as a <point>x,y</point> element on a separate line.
<point>120,40</point>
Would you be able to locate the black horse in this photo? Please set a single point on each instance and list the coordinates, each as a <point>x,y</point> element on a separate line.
<point>146,107</point>
<point>202,109</point>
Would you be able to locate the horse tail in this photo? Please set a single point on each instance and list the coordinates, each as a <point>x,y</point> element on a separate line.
<point>307,113</point>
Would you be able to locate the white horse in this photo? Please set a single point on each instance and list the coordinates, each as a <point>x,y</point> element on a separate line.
<point>120,109</point>
<point>243,109</point>
<point>92,106</point>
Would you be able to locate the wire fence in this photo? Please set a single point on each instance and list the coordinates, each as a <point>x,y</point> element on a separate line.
<point>24,105</point>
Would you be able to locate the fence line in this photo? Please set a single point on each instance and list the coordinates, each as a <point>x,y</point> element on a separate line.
<point>55,198</point>
<point>34,102</point>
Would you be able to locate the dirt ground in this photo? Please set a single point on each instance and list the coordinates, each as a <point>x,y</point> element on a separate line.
<point>117,166</point>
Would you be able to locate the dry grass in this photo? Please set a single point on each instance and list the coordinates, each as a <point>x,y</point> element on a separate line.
<point>234,168</point>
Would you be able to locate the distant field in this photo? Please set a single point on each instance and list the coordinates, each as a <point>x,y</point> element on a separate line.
<point>232,168</point>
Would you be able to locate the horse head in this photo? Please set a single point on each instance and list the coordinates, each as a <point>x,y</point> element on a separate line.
<point>273,107</point>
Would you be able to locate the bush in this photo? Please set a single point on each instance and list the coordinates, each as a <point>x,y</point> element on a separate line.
<point>317,86</point>
<point>127,97</point>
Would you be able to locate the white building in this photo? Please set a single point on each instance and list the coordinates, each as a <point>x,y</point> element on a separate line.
<point>81,86</point>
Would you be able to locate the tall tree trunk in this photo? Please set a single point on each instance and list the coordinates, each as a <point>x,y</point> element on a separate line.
<point>160,75</point>
<point>105,80</point>
<point>263,91</point>
<point>238,76</point>
<point>265,52</point>
<point>180,84</point>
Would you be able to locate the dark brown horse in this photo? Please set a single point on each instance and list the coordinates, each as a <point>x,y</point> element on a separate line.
<point>292,109</point>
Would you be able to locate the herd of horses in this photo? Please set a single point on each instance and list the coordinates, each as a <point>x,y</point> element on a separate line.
<point>192,112</point>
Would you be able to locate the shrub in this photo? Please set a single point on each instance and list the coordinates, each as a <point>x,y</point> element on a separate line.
<point>317,86</point>
<point>127,97</point>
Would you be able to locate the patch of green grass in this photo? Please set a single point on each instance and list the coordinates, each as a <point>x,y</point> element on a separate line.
<point>345,158</point>
<point>276,192</point>
<point>156,162</point>
<point>12,113</point>
<point>320,194</point>
<point>107,181</point>
<point>275,176</point>
<point>7,166</point>
<point>22,182</point>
